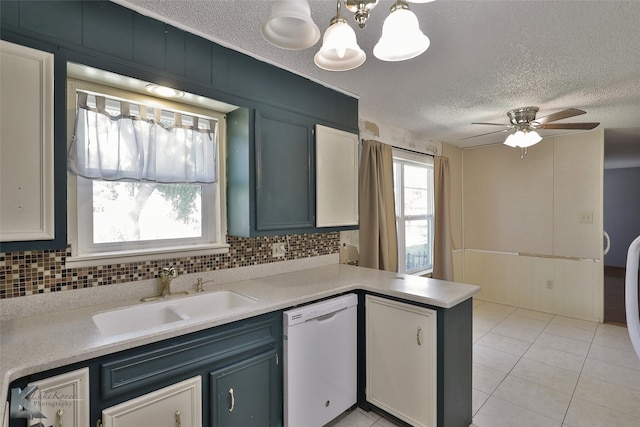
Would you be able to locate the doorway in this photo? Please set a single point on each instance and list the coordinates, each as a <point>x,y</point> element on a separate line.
<point>621,214</point>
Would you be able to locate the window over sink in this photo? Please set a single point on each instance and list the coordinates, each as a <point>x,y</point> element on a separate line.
<point>145,174</point>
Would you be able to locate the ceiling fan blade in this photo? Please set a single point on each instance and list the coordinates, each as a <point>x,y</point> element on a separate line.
<point>492,124</point>
<point>586,126</point>
<point>564,114</point>
<point>483,134</point>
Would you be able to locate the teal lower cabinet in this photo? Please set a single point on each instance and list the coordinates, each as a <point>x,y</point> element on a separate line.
<point>246,394</point>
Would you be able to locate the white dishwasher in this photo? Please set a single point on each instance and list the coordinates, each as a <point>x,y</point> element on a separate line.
<point>320,361</point>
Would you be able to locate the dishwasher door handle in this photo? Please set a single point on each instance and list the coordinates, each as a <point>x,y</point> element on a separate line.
<point>327,316</point>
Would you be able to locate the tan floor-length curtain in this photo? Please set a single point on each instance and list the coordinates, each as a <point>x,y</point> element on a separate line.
<point>443,242</point>
<point>378,235</point>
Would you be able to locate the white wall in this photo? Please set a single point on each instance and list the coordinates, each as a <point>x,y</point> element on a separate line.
<point>524,237</point>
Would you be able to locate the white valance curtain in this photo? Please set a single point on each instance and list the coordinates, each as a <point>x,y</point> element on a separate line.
<point>119,140</point>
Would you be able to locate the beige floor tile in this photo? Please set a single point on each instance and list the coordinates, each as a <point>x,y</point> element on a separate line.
<point>525,322</point>
<point>478,398</point>
<point>570,332</point>
<point>583,413</point>
<point>613,374</point>
<point>537,398</point>
<point>486,379</point>
<point>570,345</point>
<point>610,395</point>
<point>517,332</point>
<point>614,356</point>
<point>558,358</point>
<point>615,330</point>
<point>507,344</point>
<point>550,376</point>
<point>495,359</point>
<point>539,315</point>
<point>484,324</point>
<point>500,413</point>
<point>618,341</point>
<point>574,323</point>
<point>355,418</point>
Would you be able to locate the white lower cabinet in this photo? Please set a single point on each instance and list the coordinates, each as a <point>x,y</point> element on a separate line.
<point>63,399</point>
<point>401,360</point>
<point>178,405</point>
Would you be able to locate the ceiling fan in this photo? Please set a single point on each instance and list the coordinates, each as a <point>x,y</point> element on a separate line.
<point>523,124</point>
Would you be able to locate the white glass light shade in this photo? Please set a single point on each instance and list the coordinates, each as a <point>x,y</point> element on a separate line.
<point>531,138</point>
<point>340,50</point>
<point>401,37</point>
<point>513,139</point>
<point>523,139</point>
<point>290,25</point>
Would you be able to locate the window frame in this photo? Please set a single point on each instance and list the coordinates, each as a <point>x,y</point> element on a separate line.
<point>214,230</point>
<point>403,157</point>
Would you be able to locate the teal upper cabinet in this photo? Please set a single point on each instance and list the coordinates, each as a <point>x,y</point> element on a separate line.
<point>284,182</point>
<point>270,182</point>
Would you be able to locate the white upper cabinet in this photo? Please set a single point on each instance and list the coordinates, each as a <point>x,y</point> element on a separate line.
<point>26,144</point>
<point>336,177</point>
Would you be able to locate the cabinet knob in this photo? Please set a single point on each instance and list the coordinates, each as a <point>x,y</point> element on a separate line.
<point>59,414</point>
<point>178,419</point>
<point>419,335</point>
<point>233,400</point>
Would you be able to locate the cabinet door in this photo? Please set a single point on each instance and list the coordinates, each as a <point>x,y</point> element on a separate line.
<point>401,360</point>
<point>336,177</point>
<point>246,394</point>
<point>63,399</point>
<point>179,405</point>
<point>26,143</point>
<point>284,183</point>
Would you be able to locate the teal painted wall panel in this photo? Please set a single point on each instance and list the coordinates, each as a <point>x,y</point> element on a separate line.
<point>108,28</point>
<point>149,46</point>
<point>59,20</point>
<point>198,59</point>
<point>9,14</point>
<point>175,45</point>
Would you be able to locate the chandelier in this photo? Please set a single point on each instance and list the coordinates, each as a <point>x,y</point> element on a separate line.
<point>290,27</point>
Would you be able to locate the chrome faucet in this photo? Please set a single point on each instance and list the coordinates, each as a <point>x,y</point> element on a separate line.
<point>167,274</point>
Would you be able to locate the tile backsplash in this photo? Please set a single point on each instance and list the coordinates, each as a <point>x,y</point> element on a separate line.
<point>36,272</point>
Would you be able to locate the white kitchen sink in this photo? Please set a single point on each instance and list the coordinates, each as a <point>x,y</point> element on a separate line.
<point>149,315</point>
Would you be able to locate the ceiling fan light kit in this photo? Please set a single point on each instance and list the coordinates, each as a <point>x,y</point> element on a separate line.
<point>523,121</point>
<point>290,27</point>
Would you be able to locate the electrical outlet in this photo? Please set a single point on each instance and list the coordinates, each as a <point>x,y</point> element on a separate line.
<point>585,217</point>
<point>278,250</point>
<point>549,284</point>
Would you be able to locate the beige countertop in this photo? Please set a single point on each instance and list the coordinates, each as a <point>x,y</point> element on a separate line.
<point>44,341</point>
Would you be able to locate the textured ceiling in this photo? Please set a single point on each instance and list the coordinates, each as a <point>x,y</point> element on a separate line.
<point>486,57</point>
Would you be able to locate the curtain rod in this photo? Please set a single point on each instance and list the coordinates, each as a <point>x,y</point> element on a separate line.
<point>403,149</point>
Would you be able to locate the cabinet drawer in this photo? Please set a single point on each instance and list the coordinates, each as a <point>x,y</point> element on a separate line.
<point>176,405</point>
<point>138,369</point>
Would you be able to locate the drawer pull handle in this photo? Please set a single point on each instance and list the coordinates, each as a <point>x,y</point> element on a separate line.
<point>178,420</point>
<point>419,336</point>
<point>233,400</point>
<point>59,414</point>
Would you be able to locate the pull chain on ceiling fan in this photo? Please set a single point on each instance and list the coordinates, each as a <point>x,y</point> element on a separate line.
<point>524,124</point>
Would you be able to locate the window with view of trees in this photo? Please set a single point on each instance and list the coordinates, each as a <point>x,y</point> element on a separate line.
<point>145,173</point>
<point>413,185</point>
